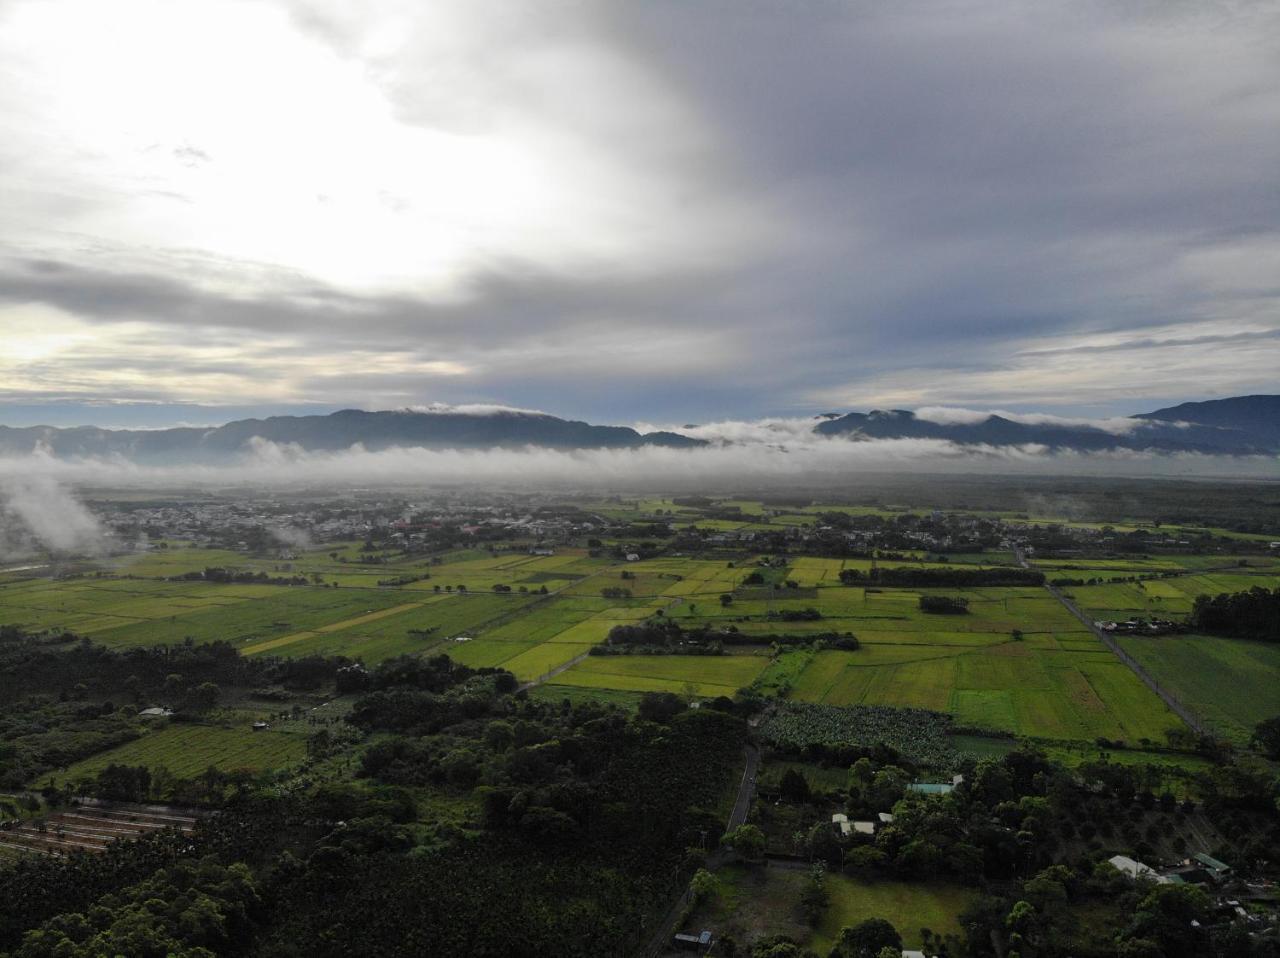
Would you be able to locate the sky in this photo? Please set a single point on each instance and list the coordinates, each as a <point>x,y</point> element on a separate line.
<point>663,211</point>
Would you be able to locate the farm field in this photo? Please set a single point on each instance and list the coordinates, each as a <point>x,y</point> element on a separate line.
<point>709,675</point>
<point>1231,683</point>
<point>372,624</point>
<point>187,750</point>
<point>1162,597</point>
<point>553,634</point>
<point>1055,682</point>
<point>1014,687</point>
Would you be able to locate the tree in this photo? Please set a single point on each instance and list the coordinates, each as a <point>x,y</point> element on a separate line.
<point>867,939</point>
<point>746,840</point>
<point>813,897</point>
<point>205,696</point>
<point>703,885</point>
<point>499,735</point>
<point>794,787</point>
<point>1267,734</point>
<point>660,706</point>
<point>174,685</point>
<point>726,599</point>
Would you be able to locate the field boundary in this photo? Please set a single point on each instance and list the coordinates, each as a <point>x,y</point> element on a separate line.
<point>547,676</point>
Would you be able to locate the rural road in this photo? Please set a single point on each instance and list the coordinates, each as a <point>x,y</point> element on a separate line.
<point>661,940</point>
<point>1109,641</point>
<point>554,672</point>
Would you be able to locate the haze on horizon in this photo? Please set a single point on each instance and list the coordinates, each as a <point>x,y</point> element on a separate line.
<point>655,212</point>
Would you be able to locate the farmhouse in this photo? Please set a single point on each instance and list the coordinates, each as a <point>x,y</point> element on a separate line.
<point>1130,867</point>
<point>841,821</point>
<point>1217,870</point>
<point>699,942</point>
<point>156,712</point>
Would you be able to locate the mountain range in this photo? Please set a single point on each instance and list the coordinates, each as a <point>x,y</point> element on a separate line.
<point>1244,425</point>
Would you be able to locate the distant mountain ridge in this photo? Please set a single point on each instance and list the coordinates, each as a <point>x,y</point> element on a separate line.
<point>1244,425</point>
<point>385,429</point>
<point>1257,415</point>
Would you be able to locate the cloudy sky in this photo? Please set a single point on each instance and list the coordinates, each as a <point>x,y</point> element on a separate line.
<point>664,211</point>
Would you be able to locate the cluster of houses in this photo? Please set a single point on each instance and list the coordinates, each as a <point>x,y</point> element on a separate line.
<point>1199,869</point>
<point>1139,627</point>
<point>841,823</point>
<point>1205,870</point>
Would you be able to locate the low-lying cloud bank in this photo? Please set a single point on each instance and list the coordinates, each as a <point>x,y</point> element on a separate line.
<point>760,453</point>
<point>38,504</point>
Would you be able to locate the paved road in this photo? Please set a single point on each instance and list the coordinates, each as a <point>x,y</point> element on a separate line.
<point>1109,641</point>
<point>661,940</point>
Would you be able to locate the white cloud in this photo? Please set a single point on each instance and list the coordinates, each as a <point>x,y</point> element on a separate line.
<point>812,463</point>
<point>947,415</point>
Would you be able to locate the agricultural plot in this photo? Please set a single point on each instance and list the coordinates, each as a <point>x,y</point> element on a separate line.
<point>557,632</point>
<point>512,570</point>
<point>284,611</point>
<point>426,624</point>
<point>187,750</point>
<point>888,615</point>
<point>917,733</point>
<point>91,605</point>
<point>372,624</point>
<point>1163,598</point>
<point>708,675</point>
<point>1013,687</point>
<point>1231,683</point>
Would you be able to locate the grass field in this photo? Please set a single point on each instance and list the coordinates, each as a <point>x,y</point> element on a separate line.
<point>750,902</point>
<point>706,675</point>
<point>187,750</point>
<point>1170,598</point>
<point>1231,683</point>
<point>1016,687</point>
<point>908,907</point>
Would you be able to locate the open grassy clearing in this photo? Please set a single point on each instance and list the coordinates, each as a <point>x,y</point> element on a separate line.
<point>909,907</point>
<point>751,902</point>
<point>187,750</point>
